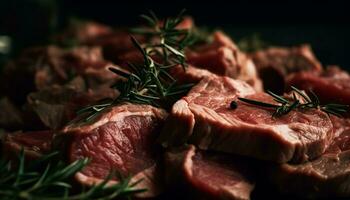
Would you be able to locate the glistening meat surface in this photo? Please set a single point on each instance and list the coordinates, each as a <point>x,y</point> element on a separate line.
<point>275,63</point>
<point>212,175</point>
<point>326,176</point>
<point>121,138</point>
<point>331,85</point>
<point>209,122</point>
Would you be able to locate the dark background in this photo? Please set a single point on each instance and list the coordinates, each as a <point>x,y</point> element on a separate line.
<point>325,25</point>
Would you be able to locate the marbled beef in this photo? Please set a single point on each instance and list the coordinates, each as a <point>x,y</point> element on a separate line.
<point>208,121</point>
<point>121,138</point>
<point>211,175</point>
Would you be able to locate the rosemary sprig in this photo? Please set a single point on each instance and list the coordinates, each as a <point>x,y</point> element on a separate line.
<point>49,179</point>
<point>151,82</point>
<point>283,106</point>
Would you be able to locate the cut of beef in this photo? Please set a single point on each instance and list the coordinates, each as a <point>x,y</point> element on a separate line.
<point>13,118</point>
<point>208,121</point>
<point>57,105</point>
<point>42,67</point>
<point>219,56</point>
<point>275,63</point>
<point>116,45</point>
<point>331,86</point>
<point>60,66</point>
<point>121,138</point>
<point>119,48</point>
<point>223,57</point>
<point>80,32</point>
<point>52,107</point>
<point>211,175</point>
<point>34,144</point>
<point>326,176</point>
<point>189,75</point>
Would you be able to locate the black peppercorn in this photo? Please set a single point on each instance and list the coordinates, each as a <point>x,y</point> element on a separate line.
<point>233,105</point>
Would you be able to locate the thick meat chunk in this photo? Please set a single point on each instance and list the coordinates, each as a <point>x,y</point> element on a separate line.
<point>326,176</point>
<point>222,57</point>
<point>42,67</point>
<point>34,144</point>
<point>57,105</point>
<point>208,121</point>
<point>331,86</point>
<point>80,32</point>
<point>275,63</point>
<point>212,175</point>
<point>190,74</point>
<point>121,138</point>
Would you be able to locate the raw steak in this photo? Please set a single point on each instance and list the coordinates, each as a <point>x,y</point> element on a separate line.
<point>211,175</point>
<point>331,86</point>
<point>222,57</point>
<point>34,144</point>
<point>275,63</point>
<point>208,121</point>
<point>121,138</point>
<point>326,176</point>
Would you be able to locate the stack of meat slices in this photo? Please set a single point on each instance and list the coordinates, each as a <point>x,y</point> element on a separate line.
<point>209,144</point>
<point>303,153</point>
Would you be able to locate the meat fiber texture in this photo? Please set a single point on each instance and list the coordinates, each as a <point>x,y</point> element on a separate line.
<point>211,175</point>
<point>274,64</point>
<point>222,57</point>
<point>57,105</point>
<point>34,144</point>
<point>208,122</point>
<point>121,138</point>
<point>331,85</point>
<point>326,176</point>
<point>41,67</point>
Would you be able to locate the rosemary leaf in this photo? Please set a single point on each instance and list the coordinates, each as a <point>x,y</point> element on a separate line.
<point>258,103</point>
<point>287,106</point>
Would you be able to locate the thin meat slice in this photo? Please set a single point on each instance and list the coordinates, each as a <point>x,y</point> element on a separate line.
<point>331,86</point>
<point>211,175</point>
<point>326,176</point>
<point>34,144</point>
<point>208,121</point>
<point>121,138</point>
<point>275,63</point>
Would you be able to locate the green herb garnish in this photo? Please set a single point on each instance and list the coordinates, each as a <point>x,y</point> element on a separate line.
<point>151,83</point>
<point>50,179</point>
<point>284,106</point>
